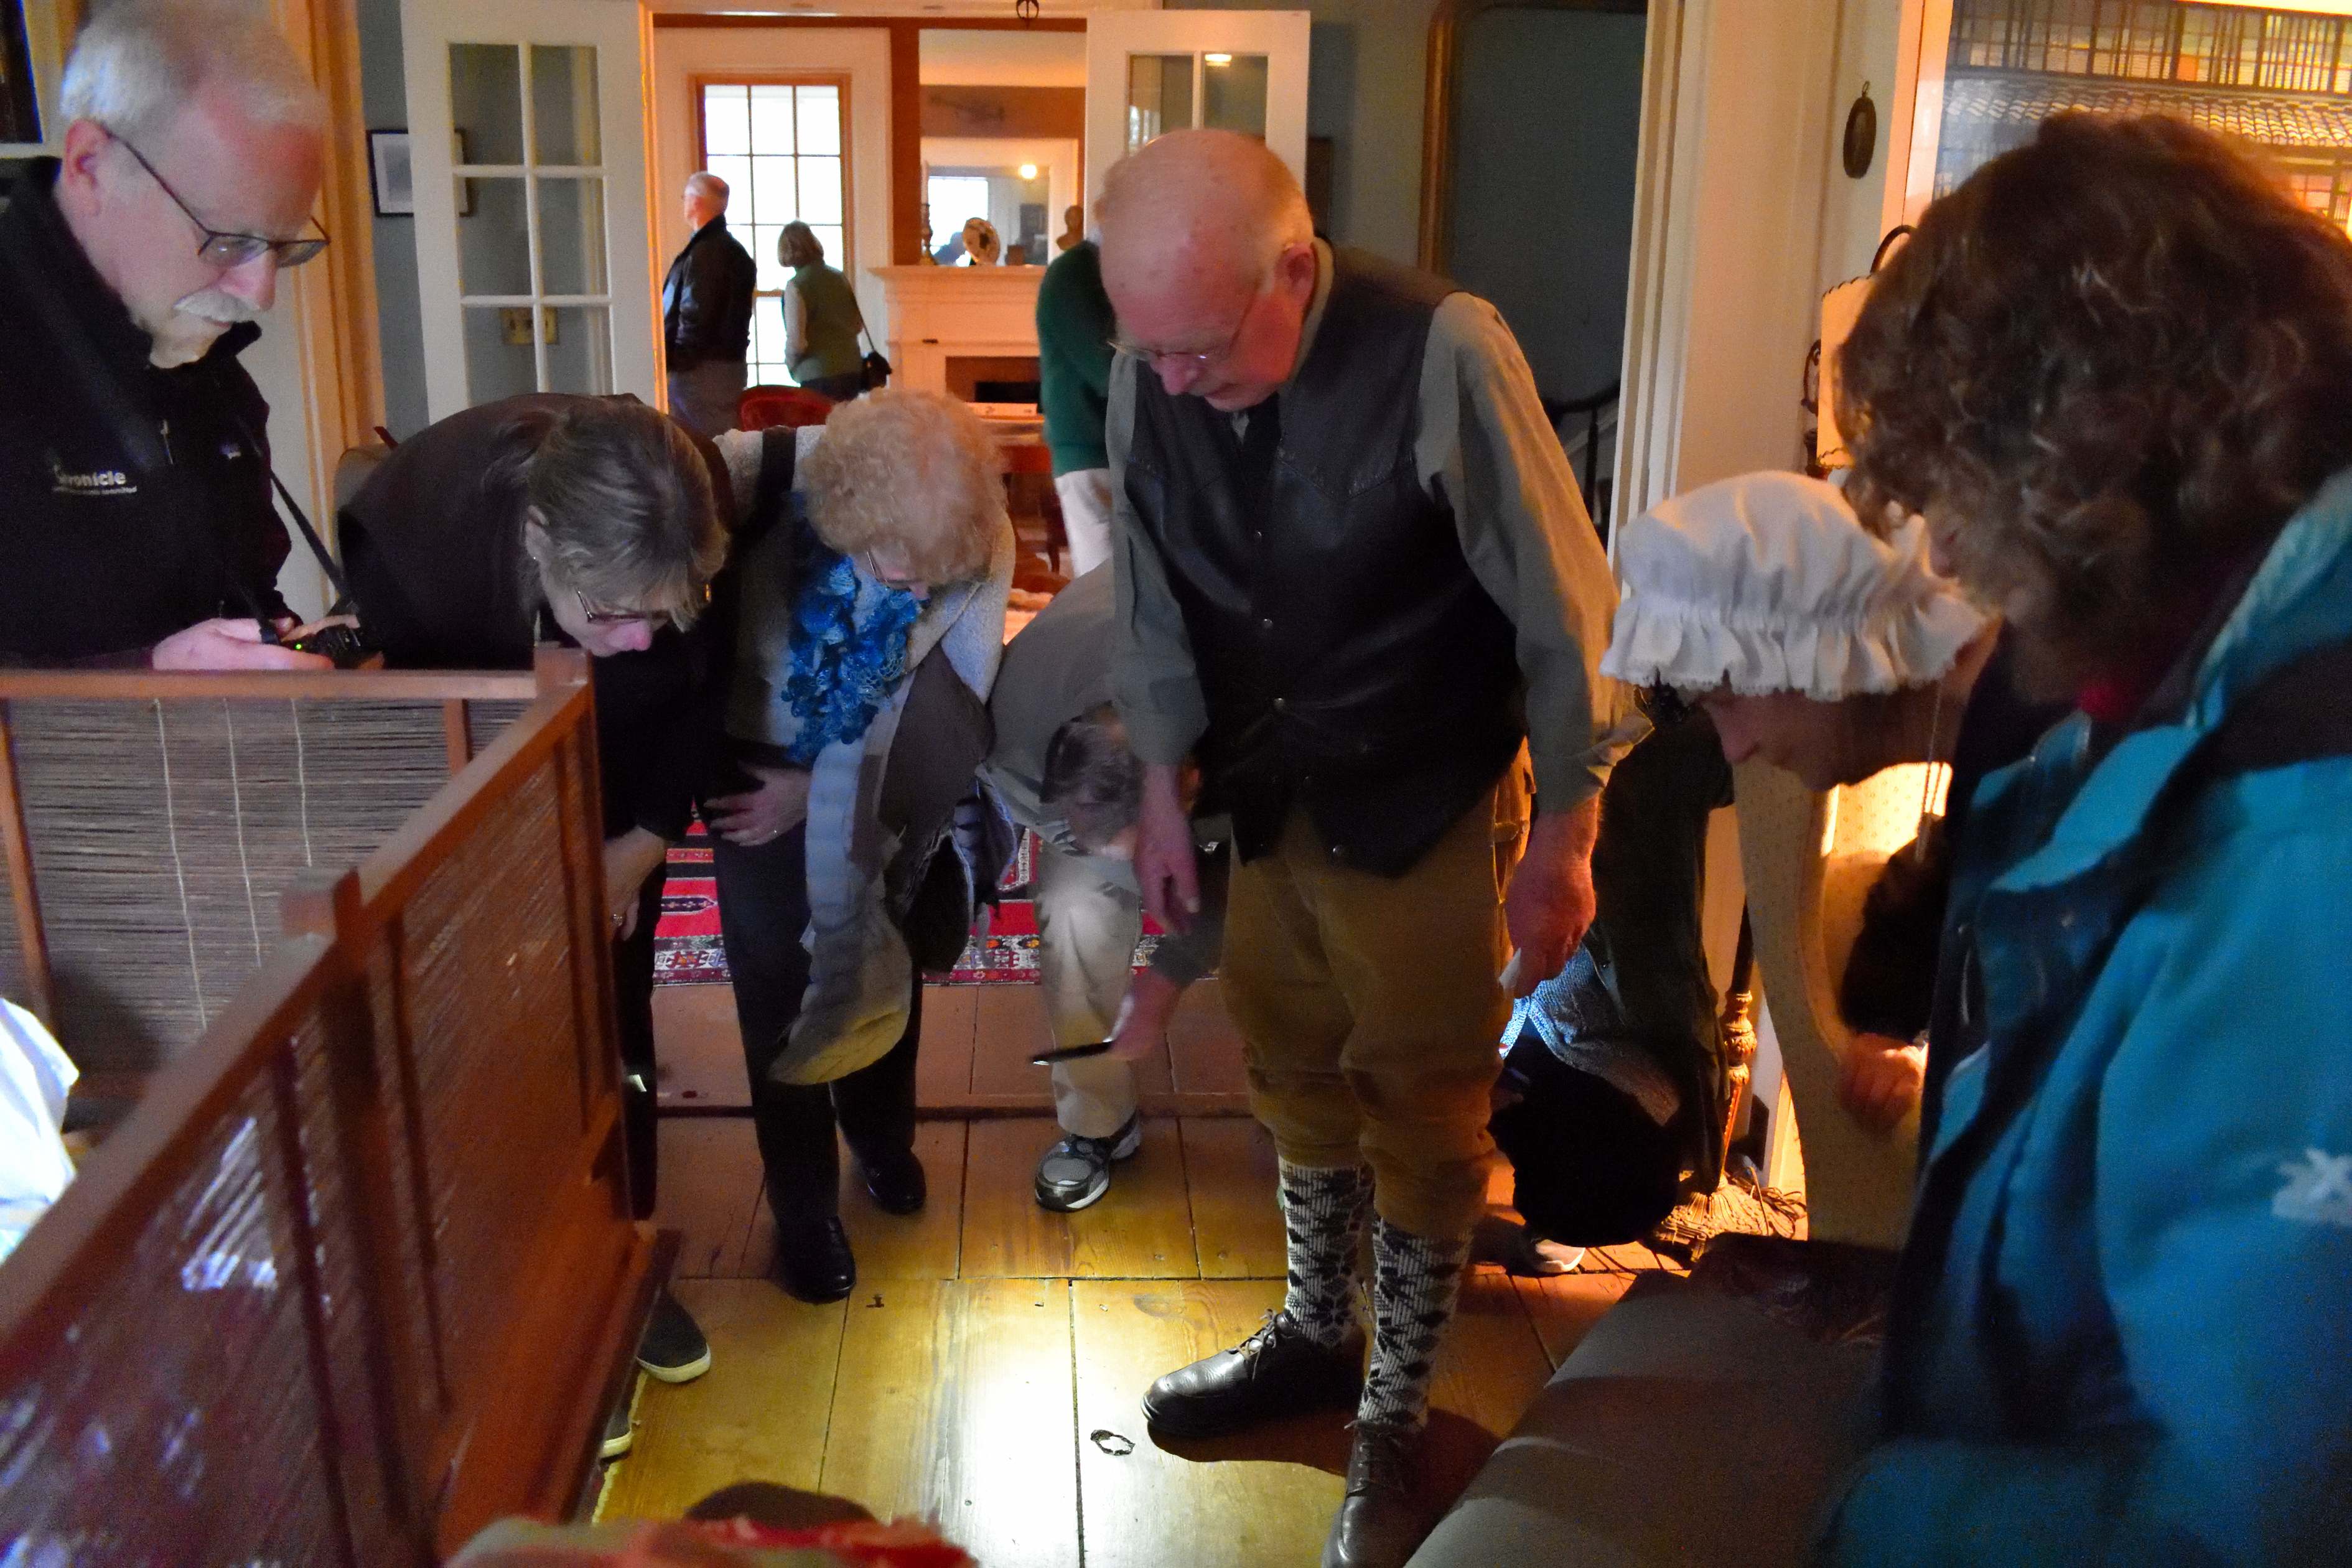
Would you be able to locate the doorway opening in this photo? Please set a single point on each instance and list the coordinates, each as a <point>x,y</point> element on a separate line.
<point>1531,203</point>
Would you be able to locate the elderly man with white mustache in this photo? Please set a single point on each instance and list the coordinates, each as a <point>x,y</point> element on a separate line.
<point>135,509</point>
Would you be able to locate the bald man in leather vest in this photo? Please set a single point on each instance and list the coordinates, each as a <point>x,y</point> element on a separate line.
<point>1355,580</point>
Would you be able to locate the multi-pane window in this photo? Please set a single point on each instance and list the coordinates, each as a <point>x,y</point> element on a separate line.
<point>2325,188</point>
<point>783,147</point>
<point>2155,40</point>
<point>2261,74</point>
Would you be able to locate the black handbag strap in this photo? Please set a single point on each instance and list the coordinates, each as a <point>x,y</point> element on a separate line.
<point>772,493</point>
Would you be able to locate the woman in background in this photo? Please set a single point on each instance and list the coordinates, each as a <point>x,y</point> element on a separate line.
<point>821,319</point>
<point>874,568</point>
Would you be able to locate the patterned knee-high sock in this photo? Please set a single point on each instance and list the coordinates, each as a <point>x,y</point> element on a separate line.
<point>1323,1216</point>
<point>1415,1281</point>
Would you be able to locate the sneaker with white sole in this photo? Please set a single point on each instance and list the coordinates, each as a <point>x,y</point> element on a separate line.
<point>620,1430</point>
<point>1077,1170</point>
<point>672,1347</point>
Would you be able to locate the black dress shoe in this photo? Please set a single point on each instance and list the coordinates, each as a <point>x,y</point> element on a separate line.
<point>896,1182</point>
<point>1276,1371</point>
<point>813,1261</point>
<point>1379,1525</point>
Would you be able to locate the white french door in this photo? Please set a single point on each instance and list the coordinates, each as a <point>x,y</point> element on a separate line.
<point>1150,72</point>
<point>526,139</point>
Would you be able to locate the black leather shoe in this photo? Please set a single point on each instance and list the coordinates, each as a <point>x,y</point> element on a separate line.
<point>896,1183</point>
<point>1276,1371</point>
<point>813,1261</point>
<point>1379,1525</point>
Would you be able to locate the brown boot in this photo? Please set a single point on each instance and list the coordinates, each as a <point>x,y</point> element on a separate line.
<point>1277,1370</point>
<point>1380,1524</point>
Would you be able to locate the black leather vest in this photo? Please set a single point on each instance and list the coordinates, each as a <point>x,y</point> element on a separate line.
<point>1352,664</point>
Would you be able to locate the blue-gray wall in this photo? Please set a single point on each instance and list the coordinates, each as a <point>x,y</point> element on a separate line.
<point>384,93</point>
<point>1545,142</point>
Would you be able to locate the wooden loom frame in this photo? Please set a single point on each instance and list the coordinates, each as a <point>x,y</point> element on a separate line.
<point>511,1433</point>
<point>455,692</point>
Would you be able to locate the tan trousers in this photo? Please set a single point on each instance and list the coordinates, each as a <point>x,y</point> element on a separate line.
<point>1371,1010</point>
<point>1089,916</point>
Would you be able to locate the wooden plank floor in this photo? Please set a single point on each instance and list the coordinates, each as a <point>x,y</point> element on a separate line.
<point>974,1057</point>
<point>987,1371</point>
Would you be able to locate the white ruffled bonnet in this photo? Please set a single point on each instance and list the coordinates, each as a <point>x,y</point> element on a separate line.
<point>1767,583</point>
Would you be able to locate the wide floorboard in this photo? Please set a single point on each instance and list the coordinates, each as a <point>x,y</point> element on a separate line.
<point>987,1371</point>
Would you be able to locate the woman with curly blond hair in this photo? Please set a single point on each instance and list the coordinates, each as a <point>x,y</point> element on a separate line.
<point>2114,371</point>
<point>874,562</point>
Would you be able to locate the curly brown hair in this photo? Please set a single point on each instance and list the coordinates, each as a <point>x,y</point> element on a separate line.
<point>2107,368</point>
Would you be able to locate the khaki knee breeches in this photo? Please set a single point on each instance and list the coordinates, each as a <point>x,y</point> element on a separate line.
<point>1371,1011</point>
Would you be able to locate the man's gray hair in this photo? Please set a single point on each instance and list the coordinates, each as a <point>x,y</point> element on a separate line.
<point>1093,781</point>
<point>139,64</point>
<point>708,186</point>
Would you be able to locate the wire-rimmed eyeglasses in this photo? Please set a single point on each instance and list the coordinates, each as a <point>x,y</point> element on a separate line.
<point>228,250</point>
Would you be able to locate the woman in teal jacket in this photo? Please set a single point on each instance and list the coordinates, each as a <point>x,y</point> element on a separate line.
<point>2115,372</point>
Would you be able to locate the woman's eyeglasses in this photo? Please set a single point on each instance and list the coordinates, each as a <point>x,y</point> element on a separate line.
<point>228,251</point>
<point>599,616</point>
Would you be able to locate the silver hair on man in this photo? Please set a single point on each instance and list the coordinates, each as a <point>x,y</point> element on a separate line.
<point>709,187</point>
<point>140,63</point>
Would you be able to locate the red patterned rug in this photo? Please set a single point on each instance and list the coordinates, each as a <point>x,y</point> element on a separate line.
<point>687,950</point>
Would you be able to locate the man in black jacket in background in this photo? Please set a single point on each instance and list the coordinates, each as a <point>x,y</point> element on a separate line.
<point>135,510</point>
<point>707,313</point>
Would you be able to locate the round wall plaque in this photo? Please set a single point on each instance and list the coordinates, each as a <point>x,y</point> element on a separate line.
<point>1861,135</point>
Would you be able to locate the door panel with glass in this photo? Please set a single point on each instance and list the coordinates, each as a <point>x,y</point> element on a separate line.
<point>1150,72</point>
<point>527,142</point>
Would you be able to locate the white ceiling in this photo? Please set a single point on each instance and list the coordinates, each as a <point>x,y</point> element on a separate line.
<point>989,58</point>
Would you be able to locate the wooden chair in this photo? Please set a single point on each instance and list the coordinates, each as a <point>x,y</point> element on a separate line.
<point>1809,861</point>
<point>767,408</point>
<point>1029,482</point>
<point>357,1277</point>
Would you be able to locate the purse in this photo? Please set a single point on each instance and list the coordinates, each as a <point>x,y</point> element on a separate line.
<point>876,368</point>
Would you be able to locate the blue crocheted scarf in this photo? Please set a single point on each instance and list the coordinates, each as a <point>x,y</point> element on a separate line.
<point>849,651</point>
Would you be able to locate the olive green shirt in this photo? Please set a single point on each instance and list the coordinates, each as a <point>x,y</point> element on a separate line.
<point>1487,453</point>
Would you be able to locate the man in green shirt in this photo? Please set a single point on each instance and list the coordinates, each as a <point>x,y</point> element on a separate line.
<point>1075,326</point>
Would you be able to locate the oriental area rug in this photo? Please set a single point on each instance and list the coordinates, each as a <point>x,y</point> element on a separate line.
<point>687,950</point>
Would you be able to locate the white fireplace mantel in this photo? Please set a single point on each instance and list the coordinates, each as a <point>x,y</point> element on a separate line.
<point>942,312</point>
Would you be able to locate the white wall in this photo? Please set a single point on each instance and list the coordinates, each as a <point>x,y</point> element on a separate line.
<point>863,53</point>
<point>1724,299</point>
<point>1875,40</point>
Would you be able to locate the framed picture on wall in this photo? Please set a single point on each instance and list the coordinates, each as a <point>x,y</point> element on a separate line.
<point>391,174</point>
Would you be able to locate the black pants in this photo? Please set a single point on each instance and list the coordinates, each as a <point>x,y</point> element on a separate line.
<point>762,909</point>
<point>633,1001</point>
<point>1589,1166</point>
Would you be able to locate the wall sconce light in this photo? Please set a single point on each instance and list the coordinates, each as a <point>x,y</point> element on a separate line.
<point>1216,59</point>
<point>1028,171</point>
